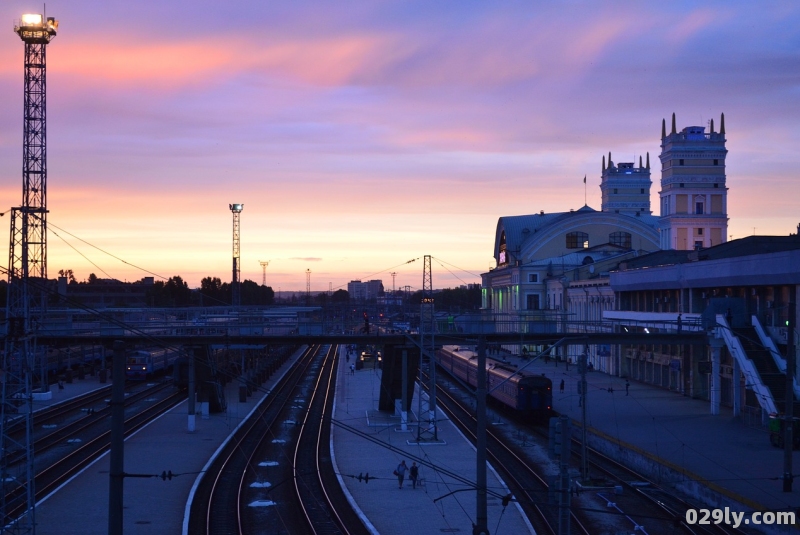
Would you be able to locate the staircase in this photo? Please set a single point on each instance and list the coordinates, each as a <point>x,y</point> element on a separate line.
<point>771,376</point>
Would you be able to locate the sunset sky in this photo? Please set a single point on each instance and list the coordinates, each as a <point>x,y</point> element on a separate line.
<point>361,135</point>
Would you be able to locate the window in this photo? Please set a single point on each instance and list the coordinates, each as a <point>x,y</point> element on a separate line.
<point>680,161</point>
<point>698,244</point>
<point>533,302</point>
<point>699,232</point>
<point>681,184</point>
<point>615,190</point>
<point>533,277</point>
<point>716,185</point>
<point>623,239</point>
<point>641,190</point>
<point>716,162</point>
<point>577,240</point>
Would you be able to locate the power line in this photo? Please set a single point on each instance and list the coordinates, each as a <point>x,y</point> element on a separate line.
<point>50,223</point>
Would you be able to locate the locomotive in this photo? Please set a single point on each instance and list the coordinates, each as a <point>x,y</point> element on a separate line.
<point>529,395</point>
<point>143,363</point>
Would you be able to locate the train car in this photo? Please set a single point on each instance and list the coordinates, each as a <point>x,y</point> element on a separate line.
<point>143,363</point>
<point>529,395</point>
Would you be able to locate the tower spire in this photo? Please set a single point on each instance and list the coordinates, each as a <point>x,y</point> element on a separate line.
<point>712,126</point>
<point>673,123</point>
<point>663,128</point>
<point>640,161</point>
<point>722,124</point>
<point>648,160</point>
<point>604,162</point>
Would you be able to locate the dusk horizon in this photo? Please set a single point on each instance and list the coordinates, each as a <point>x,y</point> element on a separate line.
<point>360,137</point>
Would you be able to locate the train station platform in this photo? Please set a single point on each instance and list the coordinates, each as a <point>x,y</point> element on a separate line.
<point>152,506</point>
<point>365,441</point>
<point>675,439</point>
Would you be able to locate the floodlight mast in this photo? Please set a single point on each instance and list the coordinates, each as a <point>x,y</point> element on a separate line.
<point>236,298</point>
<point>27,262</point>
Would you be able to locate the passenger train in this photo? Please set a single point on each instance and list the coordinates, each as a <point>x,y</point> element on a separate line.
<point>529,395</point>
<point>58,360</point>
<point>143,363</point>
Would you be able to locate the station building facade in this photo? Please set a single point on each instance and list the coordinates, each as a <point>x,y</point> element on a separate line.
<point>623,267</point>
<point>540,251</point>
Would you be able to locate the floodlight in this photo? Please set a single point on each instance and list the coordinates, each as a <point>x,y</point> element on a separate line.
<point>32,19</point>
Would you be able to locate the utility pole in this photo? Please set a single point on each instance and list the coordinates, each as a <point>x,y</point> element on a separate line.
<point>791,356</point>
<point>27,263</point>
<point>481,514</point>
<point>559,448</point>
<point>427,326</point>
<point>582,364</point>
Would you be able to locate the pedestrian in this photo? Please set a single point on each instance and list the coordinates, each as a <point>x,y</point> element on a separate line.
<point>413,473</point>
<point>729,318</point>
<point>680,324</point>
<point>352,369</point>
<point>567,363</point>
<point>400,472</point>
<point>347,357</point>
<point>627,386</point>
<point>561,388</point>
<point>546,358</point>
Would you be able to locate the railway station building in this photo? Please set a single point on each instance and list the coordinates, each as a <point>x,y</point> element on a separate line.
<point>624,268</point>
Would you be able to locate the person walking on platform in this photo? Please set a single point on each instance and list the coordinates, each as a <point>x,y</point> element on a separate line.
<point>627,386</point>
<point>400,472</point>
<point>561,388</point>
<point>352,369</point>
<point>413,473</point>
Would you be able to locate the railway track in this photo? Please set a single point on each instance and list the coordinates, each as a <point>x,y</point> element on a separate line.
<point>529,488</point>
<point>643,507</point>
<point>271,468</point>
<point>67,450</point>
<point>673,506</point>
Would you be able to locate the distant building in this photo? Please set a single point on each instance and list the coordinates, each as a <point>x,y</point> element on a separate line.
<point>364,291</point>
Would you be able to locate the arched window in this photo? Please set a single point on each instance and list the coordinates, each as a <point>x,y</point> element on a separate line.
<point>623,239</point>
<point>577,240</point>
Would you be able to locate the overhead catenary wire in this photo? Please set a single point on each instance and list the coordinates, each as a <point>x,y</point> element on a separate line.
<point>51,224</point>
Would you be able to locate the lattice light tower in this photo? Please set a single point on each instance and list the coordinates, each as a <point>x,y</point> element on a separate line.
<point>264,268</point>
<point>27,272</point>
<point>236,296</point>
<point>308,287</point>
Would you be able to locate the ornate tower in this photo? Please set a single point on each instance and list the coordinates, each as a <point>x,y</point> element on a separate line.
<point>694,198</point>
<point>625,189</point>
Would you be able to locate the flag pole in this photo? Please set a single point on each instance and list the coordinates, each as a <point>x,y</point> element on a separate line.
<point>584,190</point>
